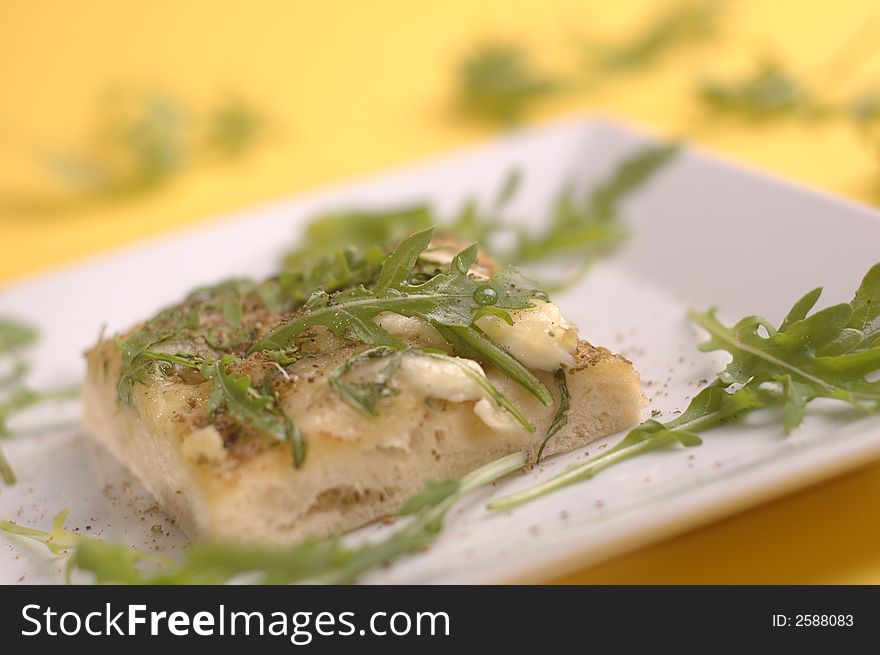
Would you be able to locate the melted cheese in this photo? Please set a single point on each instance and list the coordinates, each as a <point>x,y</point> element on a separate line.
<point>205,444</point>
<point>433,378</point>
<point>540,337</point>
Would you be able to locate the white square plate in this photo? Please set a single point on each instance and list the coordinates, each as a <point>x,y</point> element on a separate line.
<point>703,233</point>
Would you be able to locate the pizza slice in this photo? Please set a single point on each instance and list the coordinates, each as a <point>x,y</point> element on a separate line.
<point>319,400</point>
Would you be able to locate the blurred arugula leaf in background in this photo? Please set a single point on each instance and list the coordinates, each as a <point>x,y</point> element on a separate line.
<point>584,223</point>
<point>233,128</point>
<point>14,335</point>
<point>15,396</point>
<point>140,143</point>
<point>864,109</point>
<point>773,90</point>
<point>675,26</point>
<point>329,233</point>
<point>500,82</point>
<point>769,91</point>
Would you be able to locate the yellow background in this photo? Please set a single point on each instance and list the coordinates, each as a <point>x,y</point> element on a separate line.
<point>356,86</point>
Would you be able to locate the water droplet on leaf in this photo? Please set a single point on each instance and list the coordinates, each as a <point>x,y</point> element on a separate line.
<point>485,296</point>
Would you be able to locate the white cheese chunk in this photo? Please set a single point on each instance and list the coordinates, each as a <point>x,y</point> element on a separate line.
<point>493,416</point>
<point>444,380</point>
<point>540,337</point>
<point>205,444</point>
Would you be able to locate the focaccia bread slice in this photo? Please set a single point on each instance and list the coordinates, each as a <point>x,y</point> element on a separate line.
<point>419,413</point>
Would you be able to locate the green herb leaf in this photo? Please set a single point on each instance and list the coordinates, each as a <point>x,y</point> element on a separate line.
<point>18,400</point>
<point>399,264</point>
<point>108,562</point>
<point>591,226</point>
<point>253,408</point>
<point>498,82</point>
<point>678,25</point>
<point>16,397</point>
<point>561,416</point>
<point>329,234</point>
<point>433,493</point>
<point>225,298</point>
<point>15,335</point>
<point>584,225</point>
<point>769,92</point>
<point>141,142</point>
<point>824,354</point>
<point>446,300</point>
<point>339,269</point>
<point>363,396</point>
<point>233,128</point>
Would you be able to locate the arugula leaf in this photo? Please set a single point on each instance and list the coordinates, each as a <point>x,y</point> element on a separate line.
<point>435,491</point>
<point>773,91</point>
<point>256,409</point>
<point>233,128</point>
<point>583,226</point>
<point>446,300</point>
<point>149,363</point>
<point>591,226</point>
<point>650,435</point>
<point>108,562</point>
<point>57,540</point>
<point>631,174</point>
<point>14,375</point>
<point>213,314</point>
<point>339,269</point>
<point>328,561</point>
<point>561,416</point>
<point>400,263</point>
<point>253,408</point>
<point>15,335</point>
<point>498,81</point>
<point>825,354</point>
<point>769,92</point>
<point>6,471</point>
<point>864,110</point>
<point>363,396</point>
<point>225,297</point>
<point>329,234</point>
<point>140,143</point>
<point>16,396</point>
<point>169,325</point>
<point>676,26</point>
<point>18,400</point>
